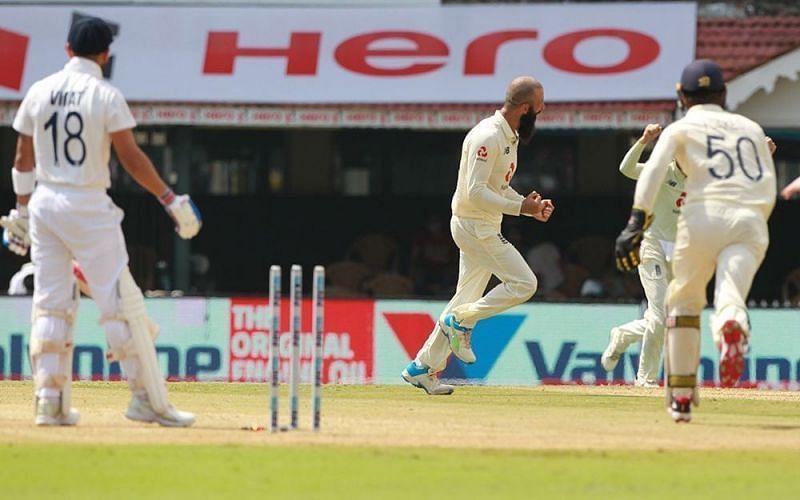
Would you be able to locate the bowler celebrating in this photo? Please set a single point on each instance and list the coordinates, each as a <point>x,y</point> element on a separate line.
<point>483,195</point>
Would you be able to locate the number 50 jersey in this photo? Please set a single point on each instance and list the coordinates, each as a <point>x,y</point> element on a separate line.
<point>724,156</point>
<point>70,115</point>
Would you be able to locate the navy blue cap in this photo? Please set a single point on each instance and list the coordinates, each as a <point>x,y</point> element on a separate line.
<point>702,75</point>
<point>90,35</point>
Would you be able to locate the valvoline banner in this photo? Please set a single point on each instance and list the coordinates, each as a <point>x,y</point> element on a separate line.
<point>562,343</point>
<point>369,341</point>
<point>191,344</point>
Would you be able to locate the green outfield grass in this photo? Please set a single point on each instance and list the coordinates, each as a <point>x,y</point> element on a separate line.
<point>235,472</point>
<point>509,443</point>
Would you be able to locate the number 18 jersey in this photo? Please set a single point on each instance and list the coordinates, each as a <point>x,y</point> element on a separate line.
<point>724,155</point>
<point>70,115</point>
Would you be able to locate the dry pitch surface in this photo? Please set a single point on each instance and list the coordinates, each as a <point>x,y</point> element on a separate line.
<point>547,417</point>
<point>394,441</point>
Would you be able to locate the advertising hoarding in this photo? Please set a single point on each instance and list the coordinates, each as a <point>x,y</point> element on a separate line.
<point>448,54</point>
<point>220,339</point>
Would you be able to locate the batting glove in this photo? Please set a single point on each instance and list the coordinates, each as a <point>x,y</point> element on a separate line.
<point>627,245</point>
<point>15,230</point>
<point>185,214</point>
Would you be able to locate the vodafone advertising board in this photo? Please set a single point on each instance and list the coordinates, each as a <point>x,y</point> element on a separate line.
<point>449,54</point>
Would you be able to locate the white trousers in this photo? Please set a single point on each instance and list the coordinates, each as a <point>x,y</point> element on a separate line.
<point>72,223</point>
<point>69,223</point>
<point>483,252</point>
<point>729,240</point>
<point>655,273</point>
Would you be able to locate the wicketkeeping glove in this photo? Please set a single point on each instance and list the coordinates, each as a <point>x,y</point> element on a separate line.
<point>627,245</point>
<point>185,214</point>
<point>15,231</point>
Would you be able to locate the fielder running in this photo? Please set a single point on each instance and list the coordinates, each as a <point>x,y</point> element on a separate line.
<point>66,124</point>
<point>722,227</point>
<point>655,268</point>
<point>483,195</point>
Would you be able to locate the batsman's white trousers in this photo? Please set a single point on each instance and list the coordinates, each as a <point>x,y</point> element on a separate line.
<point>69,223</point>
<point>730,240</point>
<point>483,252</point>
<point>655,273</point>
<point>84,224</point>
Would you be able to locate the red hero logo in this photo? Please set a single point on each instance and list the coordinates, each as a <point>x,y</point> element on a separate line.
<point>13,48</point>
<point>482,153</point>
<point>415,53</point>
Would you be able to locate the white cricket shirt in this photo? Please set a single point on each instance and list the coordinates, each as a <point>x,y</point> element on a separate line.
<point>669,199</point>
<point>724,156</point>
<point>70,115</point>
<point>488,163</point>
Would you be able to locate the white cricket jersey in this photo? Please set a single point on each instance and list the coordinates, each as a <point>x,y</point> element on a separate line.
<point>669,199</point>
<point>724,155</point>
<point>488,163</point>
<point>70,115</point>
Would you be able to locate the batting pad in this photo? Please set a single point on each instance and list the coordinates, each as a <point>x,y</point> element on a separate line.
<point>53,333</point>
<point>682,358</point>
<point>134,313</point>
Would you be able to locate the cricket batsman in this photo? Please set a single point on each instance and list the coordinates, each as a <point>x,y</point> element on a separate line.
<point>483,195</point>
<point>67,123</point>
<point>722,228</point>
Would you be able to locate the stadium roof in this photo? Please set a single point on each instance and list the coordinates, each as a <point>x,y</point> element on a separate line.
<point>741,44</point>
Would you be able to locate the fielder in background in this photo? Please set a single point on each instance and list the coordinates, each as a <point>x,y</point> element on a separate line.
<point>655,267</point>
<point>66,124</point>
<point>483,195</point>
<point>730,186</point>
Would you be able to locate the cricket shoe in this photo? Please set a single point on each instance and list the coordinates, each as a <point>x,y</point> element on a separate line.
<point>460,338</point>
<point>732,351</point>
<point>611,355</point>
<point>140,410</point>
<point>418,376</point>
<point>681,409</point>
<point>48,413</point>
